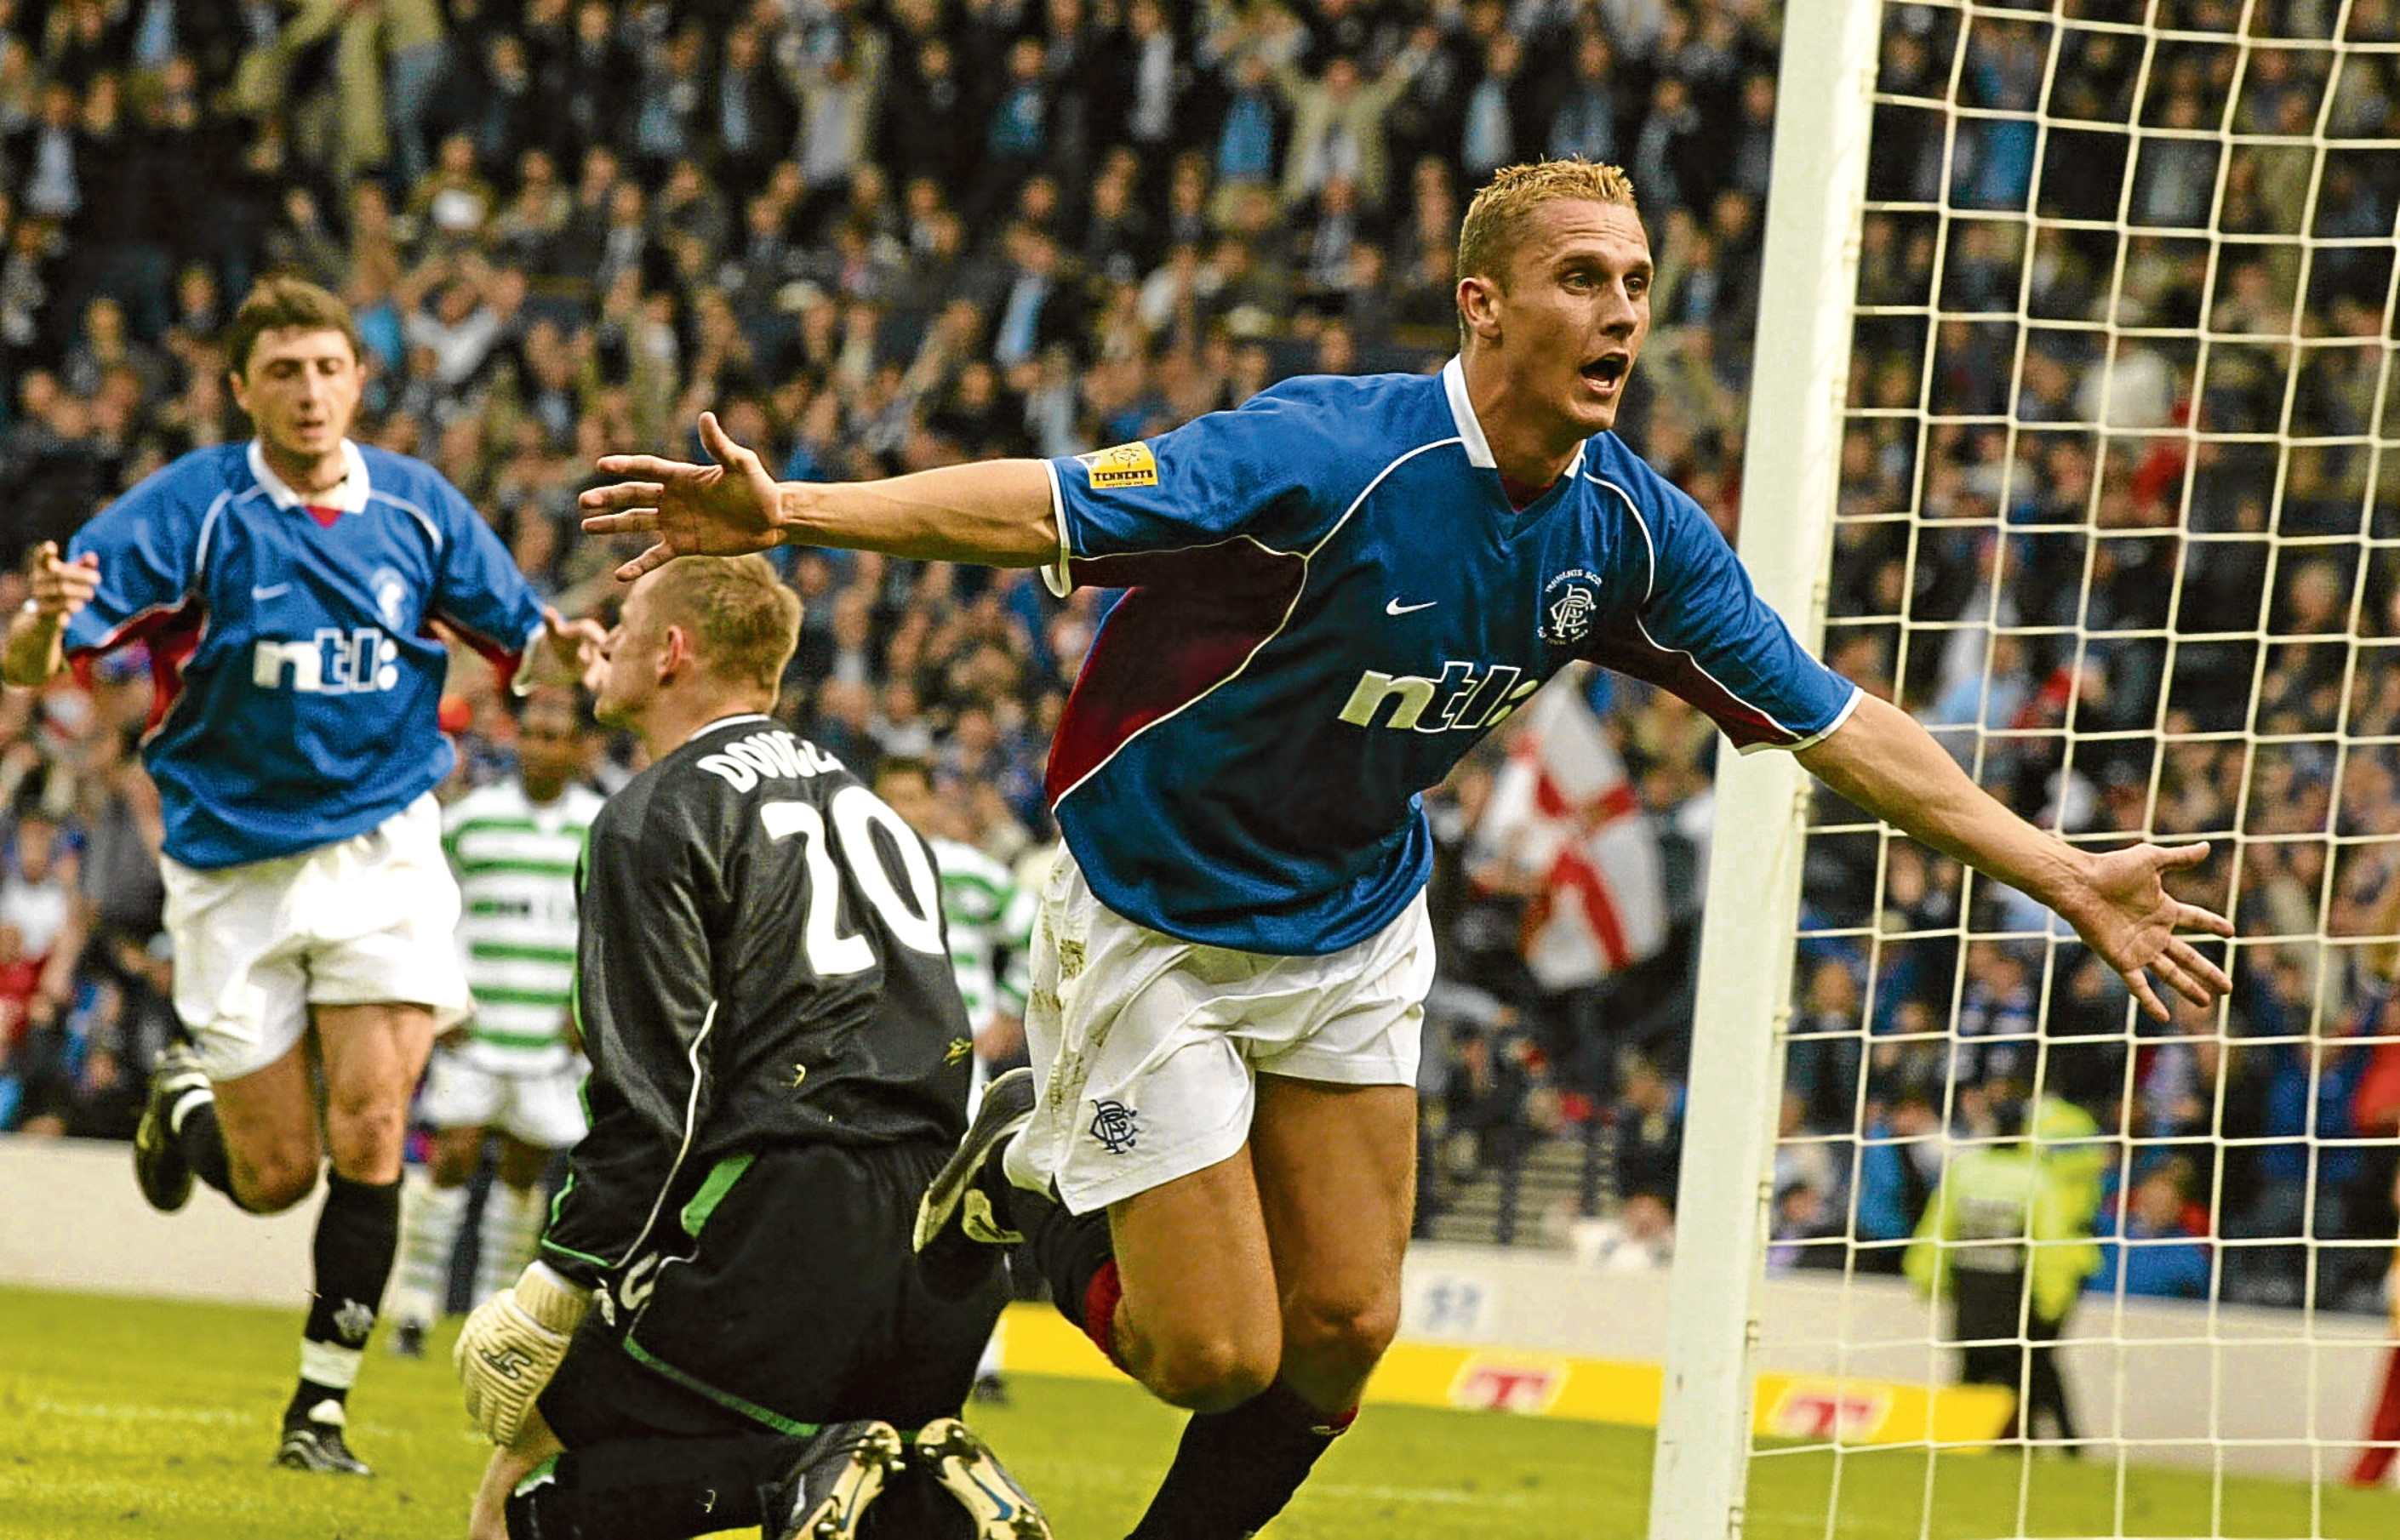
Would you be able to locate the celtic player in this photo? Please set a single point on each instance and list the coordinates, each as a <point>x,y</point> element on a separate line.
<point>990,916</point>
<point>513,1067</point>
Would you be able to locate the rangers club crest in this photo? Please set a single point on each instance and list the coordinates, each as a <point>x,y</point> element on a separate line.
<point>1570,603</point>
<point>1114,1125</point>
<point>391,598</point>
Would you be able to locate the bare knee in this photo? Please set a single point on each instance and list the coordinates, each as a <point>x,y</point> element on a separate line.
<point>365,1135</point>
<point>455,1155</point>
<point>520,1164</point>
<point>1339,1337</point>
<point>274,1180</point>
<point>1207,1373</point>
<point>372,1056</point>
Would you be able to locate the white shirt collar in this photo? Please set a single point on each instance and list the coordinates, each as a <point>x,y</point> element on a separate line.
<point>1471,430</point>
<point>1462,411</point>
<point>350,494</point>
<point>713,725</point>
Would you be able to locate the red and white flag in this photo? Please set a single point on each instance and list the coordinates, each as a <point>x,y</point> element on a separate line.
<point>1562,808</point>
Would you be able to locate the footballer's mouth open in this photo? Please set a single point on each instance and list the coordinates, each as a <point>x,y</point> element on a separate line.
<point>1607,372</point>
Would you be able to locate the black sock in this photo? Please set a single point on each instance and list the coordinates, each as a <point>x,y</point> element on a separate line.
<point>653,1489</point>
<point>203,1144</point>
<point>358,1234</point>
<point>1234,1470</point>
<point>1070,1251</point>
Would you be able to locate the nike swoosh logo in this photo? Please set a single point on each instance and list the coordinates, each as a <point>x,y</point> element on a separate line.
<point>1396,608</point>
<point>270,590</point>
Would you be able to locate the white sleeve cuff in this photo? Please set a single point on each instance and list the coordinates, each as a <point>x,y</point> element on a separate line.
<point>1056,578</point>
<point>1821,734</point>
<point>520,682</point>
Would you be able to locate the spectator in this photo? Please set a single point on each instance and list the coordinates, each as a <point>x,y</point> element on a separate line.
<point>1487,1095</point>
<point>752,116</point>
<point>1802,1222</point>
<point>668,101</point>
<point>1019,138</point>
<point>584,76</point>
<point>1640,1237</point>
<point>53,150</point>
<point>2151,1252</point>
<point>1900,1165</point>
<point>1585,122</point>
<point>1649,1120</point>
<point>1338,123</point>
<point>415,54</point>
<point>1041,306</point>
<point>42,903</point>
<point>1153,82</point>
<point>1823,1064</point>
<point>1667,153</point>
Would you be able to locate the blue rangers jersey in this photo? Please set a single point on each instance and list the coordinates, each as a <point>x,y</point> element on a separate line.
<point>1332,599</point>
<point>297,670</point>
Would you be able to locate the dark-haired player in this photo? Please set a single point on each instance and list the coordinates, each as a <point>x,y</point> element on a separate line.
<point>287,591</point>
<point>512,1067</point>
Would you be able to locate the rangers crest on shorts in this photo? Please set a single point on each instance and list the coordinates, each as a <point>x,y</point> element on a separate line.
<point>1114,1125</point>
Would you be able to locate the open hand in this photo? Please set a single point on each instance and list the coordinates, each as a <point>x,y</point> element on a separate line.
<point>726,509</point>
<point>2124,913</point>
<point>59,589</point>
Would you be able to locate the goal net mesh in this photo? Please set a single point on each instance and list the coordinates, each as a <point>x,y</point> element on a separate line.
<point>2119,513</point>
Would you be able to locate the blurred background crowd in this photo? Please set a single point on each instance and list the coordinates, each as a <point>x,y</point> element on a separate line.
<point>883,234</point>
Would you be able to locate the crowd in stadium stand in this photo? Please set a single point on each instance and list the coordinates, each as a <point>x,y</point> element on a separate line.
<point>884,237</point>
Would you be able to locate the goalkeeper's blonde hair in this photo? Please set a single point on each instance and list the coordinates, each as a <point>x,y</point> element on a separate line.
<point>745,621</point>
<point>1495,222</point>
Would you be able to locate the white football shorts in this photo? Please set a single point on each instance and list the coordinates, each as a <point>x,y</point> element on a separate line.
<point>361,921</point>
<point>1146,1048</point>
<point>537,1107</point>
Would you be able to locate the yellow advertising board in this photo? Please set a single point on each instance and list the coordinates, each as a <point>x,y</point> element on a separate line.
<point>1807,1408</point>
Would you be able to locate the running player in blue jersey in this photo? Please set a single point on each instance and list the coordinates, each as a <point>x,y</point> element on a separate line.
<point>287,591</point>
<point>1334,591</point>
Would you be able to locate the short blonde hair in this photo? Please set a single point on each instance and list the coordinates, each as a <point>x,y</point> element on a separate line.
<point>1495,220</point>
<point>744,621</point>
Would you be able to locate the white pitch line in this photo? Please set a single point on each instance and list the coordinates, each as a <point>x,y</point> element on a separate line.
<point>124,1413</point>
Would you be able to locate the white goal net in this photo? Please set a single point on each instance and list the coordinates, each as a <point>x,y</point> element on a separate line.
<point>2112,492</point>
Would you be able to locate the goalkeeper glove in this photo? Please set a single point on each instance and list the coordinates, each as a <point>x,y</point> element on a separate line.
<point>513,1345</point>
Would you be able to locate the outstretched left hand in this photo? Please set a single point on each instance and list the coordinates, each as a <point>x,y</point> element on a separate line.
<point>2124,912</point>
<point>726,509</point>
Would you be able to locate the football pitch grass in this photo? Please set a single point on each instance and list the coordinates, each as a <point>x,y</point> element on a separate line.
<point>124,1418</point>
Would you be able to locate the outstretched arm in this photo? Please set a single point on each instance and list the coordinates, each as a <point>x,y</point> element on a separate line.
<point>1883,761</point>
<point>996,513</point>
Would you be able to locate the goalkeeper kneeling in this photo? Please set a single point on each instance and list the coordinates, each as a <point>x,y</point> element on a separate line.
<point>726,1327</point>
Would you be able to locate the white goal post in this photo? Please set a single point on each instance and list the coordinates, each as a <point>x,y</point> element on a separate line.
<point>1789,482</point>
<point>2215,409</point>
